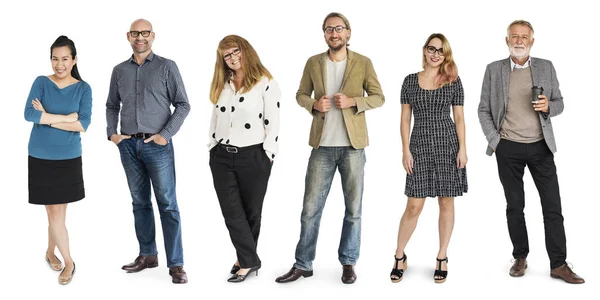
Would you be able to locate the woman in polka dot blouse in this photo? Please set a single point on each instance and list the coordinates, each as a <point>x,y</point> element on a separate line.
<point>435,158</point>
<point>243,138</point>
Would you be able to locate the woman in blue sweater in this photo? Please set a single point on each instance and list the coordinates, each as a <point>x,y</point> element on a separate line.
<point>60,106</point>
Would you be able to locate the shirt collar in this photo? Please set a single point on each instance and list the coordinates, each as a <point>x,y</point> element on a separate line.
<point>149,58</point>
<point>514,66</point>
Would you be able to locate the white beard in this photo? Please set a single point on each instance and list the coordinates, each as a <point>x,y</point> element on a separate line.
<point>519,53</point>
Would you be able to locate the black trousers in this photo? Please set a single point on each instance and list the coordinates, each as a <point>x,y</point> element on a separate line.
<point>512,157</point>
<point>240,176</point>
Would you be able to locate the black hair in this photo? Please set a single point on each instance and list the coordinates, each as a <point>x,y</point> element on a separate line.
<point>62,41</point>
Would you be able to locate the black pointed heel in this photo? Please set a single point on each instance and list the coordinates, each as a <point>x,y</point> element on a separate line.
<point>234,269</point>
<point>239,278</point>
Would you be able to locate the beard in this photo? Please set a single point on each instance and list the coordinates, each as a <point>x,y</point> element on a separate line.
<point>336,48</point>
<point>518,52</point>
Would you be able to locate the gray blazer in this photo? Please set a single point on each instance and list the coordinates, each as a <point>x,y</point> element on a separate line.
<point>494,99</point>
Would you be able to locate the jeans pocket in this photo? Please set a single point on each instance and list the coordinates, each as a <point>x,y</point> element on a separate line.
<point>159,145</point>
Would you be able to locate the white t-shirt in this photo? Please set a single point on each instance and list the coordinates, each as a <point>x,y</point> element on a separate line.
<point>334,130</point>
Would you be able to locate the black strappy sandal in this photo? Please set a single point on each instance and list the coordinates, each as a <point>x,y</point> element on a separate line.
<point>397,274</point>
<point>439,276</point>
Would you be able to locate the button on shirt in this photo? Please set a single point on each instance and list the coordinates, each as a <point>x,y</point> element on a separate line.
<point>143,94</point>
<point>248,118</point>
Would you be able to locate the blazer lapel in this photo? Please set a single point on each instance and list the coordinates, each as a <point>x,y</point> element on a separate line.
<point>505,80</point>
<point>349,65</point>
<point>535,76</point>
<point>323,62</point>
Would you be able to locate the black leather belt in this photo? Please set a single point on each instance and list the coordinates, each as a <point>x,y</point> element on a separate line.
<point>234,149</point>
<point>140,135</point>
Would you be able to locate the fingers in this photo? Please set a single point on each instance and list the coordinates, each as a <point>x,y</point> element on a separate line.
<point>408,166</point>
<point>541,104</point>
<point>125,137</point>
<point>148,140</point>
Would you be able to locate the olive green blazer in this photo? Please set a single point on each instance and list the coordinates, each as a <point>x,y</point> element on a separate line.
<point>359,77</point>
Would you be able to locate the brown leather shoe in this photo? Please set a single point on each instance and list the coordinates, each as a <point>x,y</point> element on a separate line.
<point>293,274</point>
<point>518,267</point>
<point>348,275</point>
<point>178,274</point>
<point>140,263</point>
<point>565,273</point>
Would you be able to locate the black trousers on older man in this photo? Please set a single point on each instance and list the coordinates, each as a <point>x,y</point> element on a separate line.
<point>512,157</point>
<point>240,176</point>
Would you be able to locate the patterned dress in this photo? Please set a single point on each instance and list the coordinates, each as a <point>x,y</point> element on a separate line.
<point>433,141</point>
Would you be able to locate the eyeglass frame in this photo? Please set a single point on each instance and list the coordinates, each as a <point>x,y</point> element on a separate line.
<point>135,33</point>
<point>332,28</point>
<point>235,52</point>
<point>440,51</point>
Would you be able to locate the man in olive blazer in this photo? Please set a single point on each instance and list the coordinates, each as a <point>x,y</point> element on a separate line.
<point>518,129</point>
<point>338,80</point>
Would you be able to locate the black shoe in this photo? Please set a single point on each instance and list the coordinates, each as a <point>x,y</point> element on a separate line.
<point>293,274</point>
<point>439,276</point>
<point>239,278</point>
<point>397,274</point>
<point>234,269</point>
<point>348,274</point>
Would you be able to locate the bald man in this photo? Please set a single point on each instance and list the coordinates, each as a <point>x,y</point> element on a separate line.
<point>142,90</point>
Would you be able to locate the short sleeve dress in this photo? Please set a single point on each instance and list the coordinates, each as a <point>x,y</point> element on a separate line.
<point>433,140</point>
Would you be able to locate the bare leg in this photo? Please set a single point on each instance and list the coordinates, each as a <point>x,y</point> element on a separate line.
<point>59,235</point>
<point>55,263</point>
<point>408,223</point>
<point>446,224</point>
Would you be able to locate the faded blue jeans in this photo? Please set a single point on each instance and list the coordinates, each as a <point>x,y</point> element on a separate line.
<point>321,168</point>
<point>145,163</point>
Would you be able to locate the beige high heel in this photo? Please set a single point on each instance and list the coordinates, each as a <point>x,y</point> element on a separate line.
<point>66,280</point>
<point>55,267</point>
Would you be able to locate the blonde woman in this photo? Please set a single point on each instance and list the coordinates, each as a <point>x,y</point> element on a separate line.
<point>243,137</point>
<point>436,156</point>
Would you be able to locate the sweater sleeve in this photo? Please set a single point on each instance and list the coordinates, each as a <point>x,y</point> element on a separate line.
<point>85,108</point>
<point>36,92</point>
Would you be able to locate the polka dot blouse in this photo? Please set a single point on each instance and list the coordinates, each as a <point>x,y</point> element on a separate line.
<point>249,118</point>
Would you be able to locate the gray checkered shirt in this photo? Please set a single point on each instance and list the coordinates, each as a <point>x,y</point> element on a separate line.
<point>143,94</point>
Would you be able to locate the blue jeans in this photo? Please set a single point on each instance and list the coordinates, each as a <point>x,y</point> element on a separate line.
<point>145,163</point>
<point>321,168</point>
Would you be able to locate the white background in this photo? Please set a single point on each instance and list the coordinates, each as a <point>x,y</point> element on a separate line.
<point>285,35</point>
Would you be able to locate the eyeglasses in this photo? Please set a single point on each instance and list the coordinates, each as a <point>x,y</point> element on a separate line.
<point>337,29</point>
<point>235,52</point>
<point>144,33</point>
<point>432,50</point>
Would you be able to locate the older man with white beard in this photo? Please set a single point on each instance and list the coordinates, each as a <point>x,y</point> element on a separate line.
<point>519,131</point>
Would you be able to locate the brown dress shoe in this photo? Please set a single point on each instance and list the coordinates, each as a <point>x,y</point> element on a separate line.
<point>348,275</point>
<point>293,274</point>
<point>518,267</point>
<point>178,274</point>
<point>565,273</point>
<point>140,263</point>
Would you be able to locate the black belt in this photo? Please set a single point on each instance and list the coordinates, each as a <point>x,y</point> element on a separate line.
<point>140,135</point>
<point>234,149</point>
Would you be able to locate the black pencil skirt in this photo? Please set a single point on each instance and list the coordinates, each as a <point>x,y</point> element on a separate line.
<point>55,181</point>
